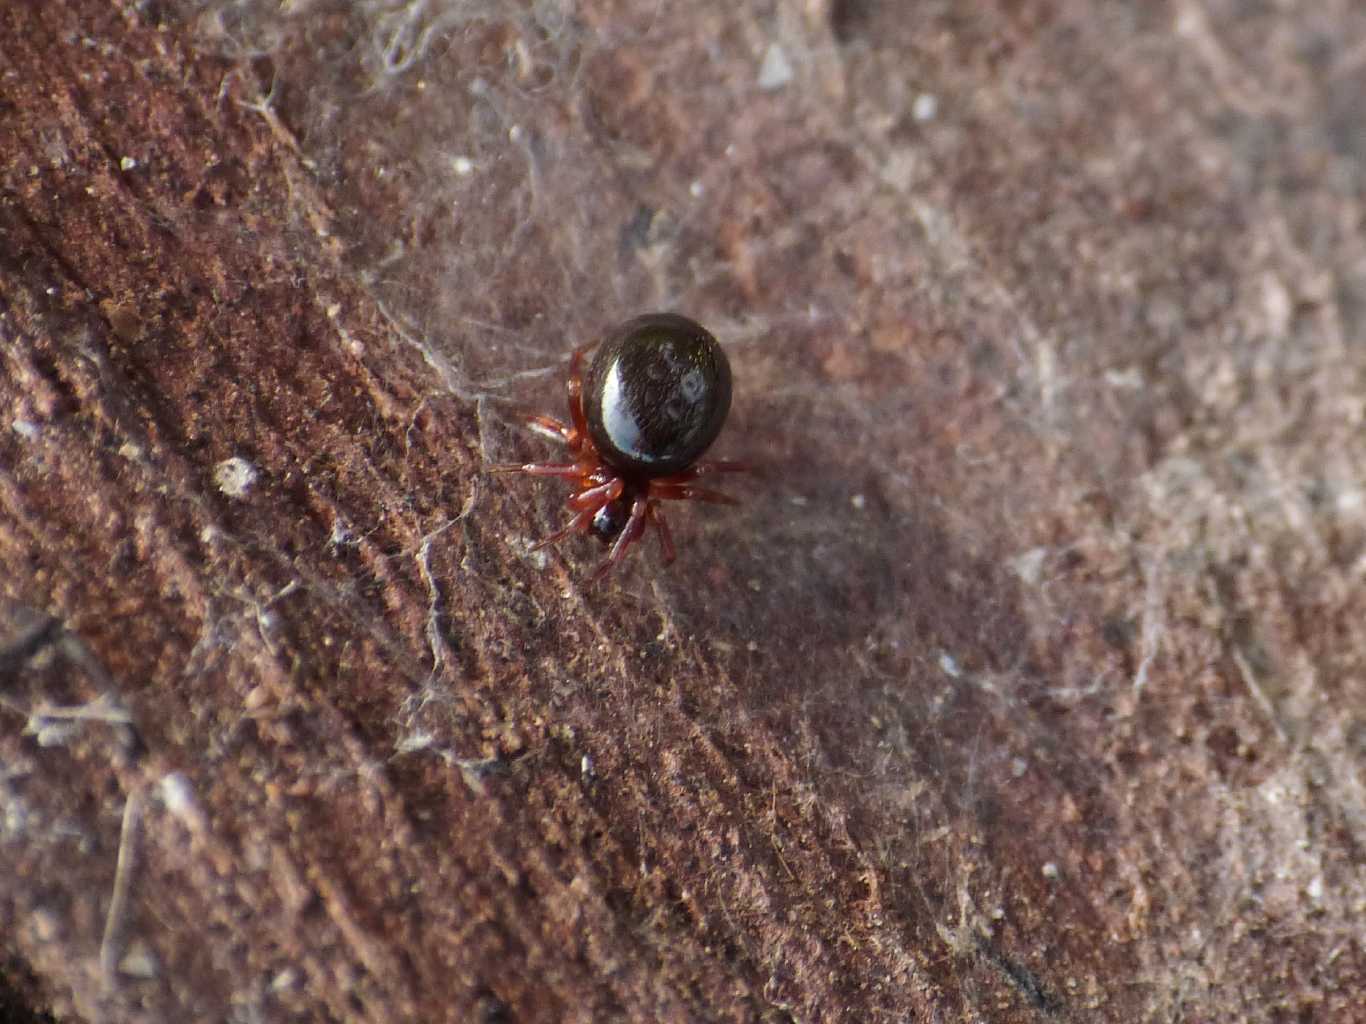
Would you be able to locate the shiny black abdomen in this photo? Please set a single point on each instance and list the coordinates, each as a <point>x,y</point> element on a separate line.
<point>656,395</point>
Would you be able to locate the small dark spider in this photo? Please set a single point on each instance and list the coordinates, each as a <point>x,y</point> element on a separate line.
<point>655,396</point>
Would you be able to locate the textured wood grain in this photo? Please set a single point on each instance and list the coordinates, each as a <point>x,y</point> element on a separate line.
<point>1026,686</point>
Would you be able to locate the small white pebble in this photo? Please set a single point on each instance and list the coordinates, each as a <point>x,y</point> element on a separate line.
<point>234,476</point>
<point>1277,305</point>
<point>858,501</point>
<point>127,164</point>
<point>15,819</point>
<point>1128,378</point>
<point>776,70</point>
<point>925,107</point>
<point>26,429</point>
<point>51,733</point>
<point>139,962</point>
<point>948,665</point>
<point>414,742</point>
<point>1029,565</point>
<point>177,794</point>
<point>1050,871</point>
<point>46,924</point>
<point>463,166</point>
<point>697,190</point>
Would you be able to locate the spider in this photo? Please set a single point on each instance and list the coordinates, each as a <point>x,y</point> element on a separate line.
<point>651,403</point>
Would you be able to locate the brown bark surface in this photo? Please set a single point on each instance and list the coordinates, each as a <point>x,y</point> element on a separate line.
<point>1027,684</point>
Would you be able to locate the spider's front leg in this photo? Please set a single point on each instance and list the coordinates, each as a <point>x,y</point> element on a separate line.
<point>574,392</point>
<point>573,435</point>
<point>586,502</point>
<point>554,429</point>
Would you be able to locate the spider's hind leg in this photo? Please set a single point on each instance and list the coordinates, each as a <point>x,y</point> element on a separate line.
<point>586,503</point>
<point>666,540</point>
<point>680,487</point>
<point>708,468</point>
<point>578,524</point>
<point>687,492</point>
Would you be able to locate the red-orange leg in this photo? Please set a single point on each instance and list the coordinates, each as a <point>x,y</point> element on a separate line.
<point>595,498</point>
<point>666,541</point>
<point>587,502</point>
<point>576,525</point>
<point>686,492</point>
<point>553,427</point>
<point>698,469</point>
<point>678,487</point>
<point>574,389</point>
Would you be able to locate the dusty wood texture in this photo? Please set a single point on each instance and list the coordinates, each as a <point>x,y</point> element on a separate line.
<point>1028,684</point>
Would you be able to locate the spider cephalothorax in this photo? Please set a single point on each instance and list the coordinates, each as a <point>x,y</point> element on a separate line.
<point>651,403</point>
